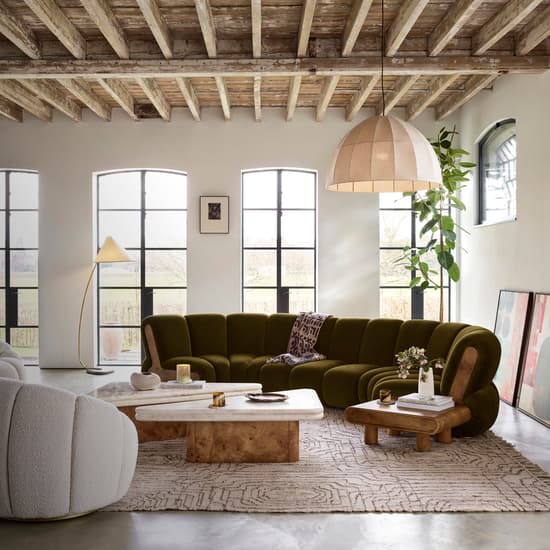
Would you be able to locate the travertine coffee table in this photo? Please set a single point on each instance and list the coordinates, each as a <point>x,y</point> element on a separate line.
<point>243,430</point>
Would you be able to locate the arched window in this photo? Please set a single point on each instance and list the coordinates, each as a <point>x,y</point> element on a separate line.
<point>497,173</point>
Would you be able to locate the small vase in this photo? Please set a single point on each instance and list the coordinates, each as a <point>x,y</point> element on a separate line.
<point>426,382</point>
<point>144,380</point>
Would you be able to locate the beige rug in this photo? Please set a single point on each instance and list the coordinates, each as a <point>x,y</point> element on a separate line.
<point>337,472</point>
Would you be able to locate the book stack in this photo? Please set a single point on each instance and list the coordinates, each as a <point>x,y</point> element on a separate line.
<point>193,385</point>
<point>436,403</point>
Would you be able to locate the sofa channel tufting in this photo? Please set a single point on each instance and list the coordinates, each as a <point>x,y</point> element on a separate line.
<point>360,356</point>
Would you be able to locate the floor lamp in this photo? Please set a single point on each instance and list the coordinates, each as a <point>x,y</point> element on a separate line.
<point>110,252</point>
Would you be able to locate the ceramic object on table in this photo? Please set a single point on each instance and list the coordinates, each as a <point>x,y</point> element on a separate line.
<point>145,380</point>
<point>426,382</point>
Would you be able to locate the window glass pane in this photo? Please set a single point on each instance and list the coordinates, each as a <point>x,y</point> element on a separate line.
<point>260,268</point>
<point>260,189</point>
<point>24,190</point>
<point>166,268</point>
<point>259,228</point>
<point>394,200</point>
<point>395,303</point>
<point>119,190</point>
<point>301,299</point>
<point>23,267</point>
<point>3,334</point>
<point>260,300</point>
<point>2,267</point>
<point>120,346</point>
<point>395,228</point>
<point>298,189</point>
<point>392,273</point>
<point>121,273</point>
<point>431,304</point>
<point>2,190</point>
<point>298,268</point>
<point>2,307</point>
<point>170,301</point>
<point>298,228</point>
<point>120,306</point>
<point>24,229</point>
<point>166,229</point>
<point>2,228</point>
<point>24,341</point>
<point>27,307</point>
<point>165,190</point>
<point>124,227</point>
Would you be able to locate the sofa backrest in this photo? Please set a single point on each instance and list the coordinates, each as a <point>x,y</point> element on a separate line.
<point>171,337</point>
<point>378,342</point>
<point>442,339</point>
<point>246,333</point>
<point>416,332</point>
<point>277,332</point>
<point>208,333</point>
<point>345,339</point>
<point>325,334</point>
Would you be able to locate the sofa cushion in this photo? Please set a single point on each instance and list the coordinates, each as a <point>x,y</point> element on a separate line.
<point>171,336</point>
<point>203,369</point>
<point>442,339</point>
<point>254,366</point>
<point>221,366</point>
<point>378,342</point>
<point>208,333</point>
<point>310,375</point>
<point>340,384</point>
<point>274,376</point>
<point>345,339</point>
<point>240,364</point>
<point>414,333</point>
<point>246,333</point>
<point>277,334</point>
<point>323,340</point>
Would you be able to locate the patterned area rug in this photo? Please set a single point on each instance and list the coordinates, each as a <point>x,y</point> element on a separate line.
<point>337,472</point>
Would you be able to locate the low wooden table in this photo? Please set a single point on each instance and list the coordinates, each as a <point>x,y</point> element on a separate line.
<point>424,424</point>
<point>243,430</point>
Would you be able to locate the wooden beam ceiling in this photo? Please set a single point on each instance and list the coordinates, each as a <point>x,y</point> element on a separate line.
<point>224,97</point>
<point>120,94</point>
<point>293,93</point>
<point>437,86</point>
<point>354,24</point>
<point>16,93</point>
<point>10,110</point>
<point>158,26</point>
<point>82,90</point>
<point>204,13</point>
<point>326,95</point>
<point>305,27</point>
<point>156,97</point>
<point>188,93</point>
<point>403,85</point>
<point>534,33</point>
<point>358,100</point>
<point>47,90</point>
<point>256,16</point>
<point>408,14</point>
<point>15,30</point>
<point>257,98</point>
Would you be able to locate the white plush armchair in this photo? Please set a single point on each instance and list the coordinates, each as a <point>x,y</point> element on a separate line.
<point>61,454</point>
<point>11,365</point>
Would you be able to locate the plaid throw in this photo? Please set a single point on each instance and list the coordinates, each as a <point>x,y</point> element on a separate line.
<point>303,336</point>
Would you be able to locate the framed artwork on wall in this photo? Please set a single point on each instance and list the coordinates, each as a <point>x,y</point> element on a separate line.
<point>534,389</point>
<point>511,329</point>
<point>214,214</point>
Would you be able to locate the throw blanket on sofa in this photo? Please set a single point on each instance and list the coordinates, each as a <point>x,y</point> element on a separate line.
<point>303,336</point>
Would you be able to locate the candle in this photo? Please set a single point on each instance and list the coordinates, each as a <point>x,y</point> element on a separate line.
<point>218,399</point>
<point>183,373</point>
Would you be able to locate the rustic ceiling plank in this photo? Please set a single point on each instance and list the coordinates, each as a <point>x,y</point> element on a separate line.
<point>82,90</point>
<point>103,17</point>
<point>256,12</point>
<point>457,15</point>
<point>500,25</point>
<point>534,33</point>
<point>154,93</point>
<point>305,27</point>
<point>293,92</point>
<point>358,100</point>
<point>437,87</point>
<point>120,94</point>
<point>15,30</point>
<point>258,98</point>
<point>224,97</point>
<point>10,110</point>
<point>158,26</point>
<point>188,93</point>
<point>16,93</point>
<point>46,90</point>
<point>326,95</point>
<point>408,14</point>
<point>402,86</point>
<point>354,24</point>
<point>473,85</point>
<point>57,22</point>
<point>204,13</point>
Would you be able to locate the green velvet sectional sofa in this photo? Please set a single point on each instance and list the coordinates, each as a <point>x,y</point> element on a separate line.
<point>360,356</point>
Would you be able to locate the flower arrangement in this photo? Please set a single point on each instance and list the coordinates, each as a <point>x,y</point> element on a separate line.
<point>415,358</point>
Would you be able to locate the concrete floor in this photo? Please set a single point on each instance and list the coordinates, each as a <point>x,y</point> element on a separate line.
<point>238,531</point>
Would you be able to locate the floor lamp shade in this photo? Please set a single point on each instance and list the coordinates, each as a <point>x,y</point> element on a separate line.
<point>111,252</point>
<point>384,154</point>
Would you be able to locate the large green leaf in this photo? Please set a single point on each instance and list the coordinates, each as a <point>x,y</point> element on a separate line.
<point>454,272</point>
<point>445,259</point>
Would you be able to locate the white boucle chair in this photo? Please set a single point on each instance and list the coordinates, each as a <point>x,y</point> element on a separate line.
<point>11,365</point>
<point>61,454</point>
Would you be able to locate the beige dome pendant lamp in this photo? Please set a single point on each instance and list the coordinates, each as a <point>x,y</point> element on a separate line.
<point>384,154</point>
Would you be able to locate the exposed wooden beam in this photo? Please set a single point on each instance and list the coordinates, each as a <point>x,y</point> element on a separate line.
<point>57,22</point>
<point>188,93</point>
<point>256,12</point>
<point>82,90</point>
<point>279,67</point>
<point>204,13</point>
<point>438,85</point>
<point>15,30</point>
<point>258,98</point>
<point>358,100</point>
<point>46,90</point>
<point>158,26</point>
<point>473,85</point>
<point>406,17</point>
<point>120,94</point>
<point>224,97</point>
<point>103,17</point>
<point>452,22</point>
<point>500,25</point>
<point>154,93</point>
<point>402,86</point>
<point>354,24</point>
<point>10,110</point>
<point>326,95</point>
<point>534,33</point>
<point>14,92</point>
<point>293,92</point>
<point>305,27</point>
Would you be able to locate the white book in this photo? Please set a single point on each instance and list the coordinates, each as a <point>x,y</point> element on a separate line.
<point>425,406</point>
<point>423,400</point>
<point>193,385</point>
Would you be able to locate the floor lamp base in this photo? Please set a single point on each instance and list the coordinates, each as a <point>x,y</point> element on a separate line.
<point>99,370</point>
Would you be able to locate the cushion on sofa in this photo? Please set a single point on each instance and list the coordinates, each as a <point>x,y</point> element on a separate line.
<point>246,333</point>
<point>416,332</point>
<point>340,384</point>
<point>345,339</point>
<point>277,335</point>
<point>310,375</point>
<point>240,363</point>
<point>442,338</point>
<point>378,341</point>
<point>171,336</point>
<point>208,333</point>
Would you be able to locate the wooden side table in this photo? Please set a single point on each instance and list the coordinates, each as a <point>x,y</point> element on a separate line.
<point>424,424</point>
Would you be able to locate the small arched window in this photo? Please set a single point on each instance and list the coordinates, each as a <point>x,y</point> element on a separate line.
<point>497,173</point>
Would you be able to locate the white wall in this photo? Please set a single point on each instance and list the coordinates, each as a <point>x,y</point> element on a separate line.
<point>213,153</point>
<point>513,255</point>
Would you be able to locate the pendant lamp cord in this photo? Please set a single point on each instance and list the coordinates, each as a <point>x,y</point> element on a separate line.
<point>382,50</point>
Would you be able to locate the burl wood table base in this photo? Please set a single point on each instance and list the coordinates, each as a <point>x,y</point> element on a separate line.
<point>423,423</point>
